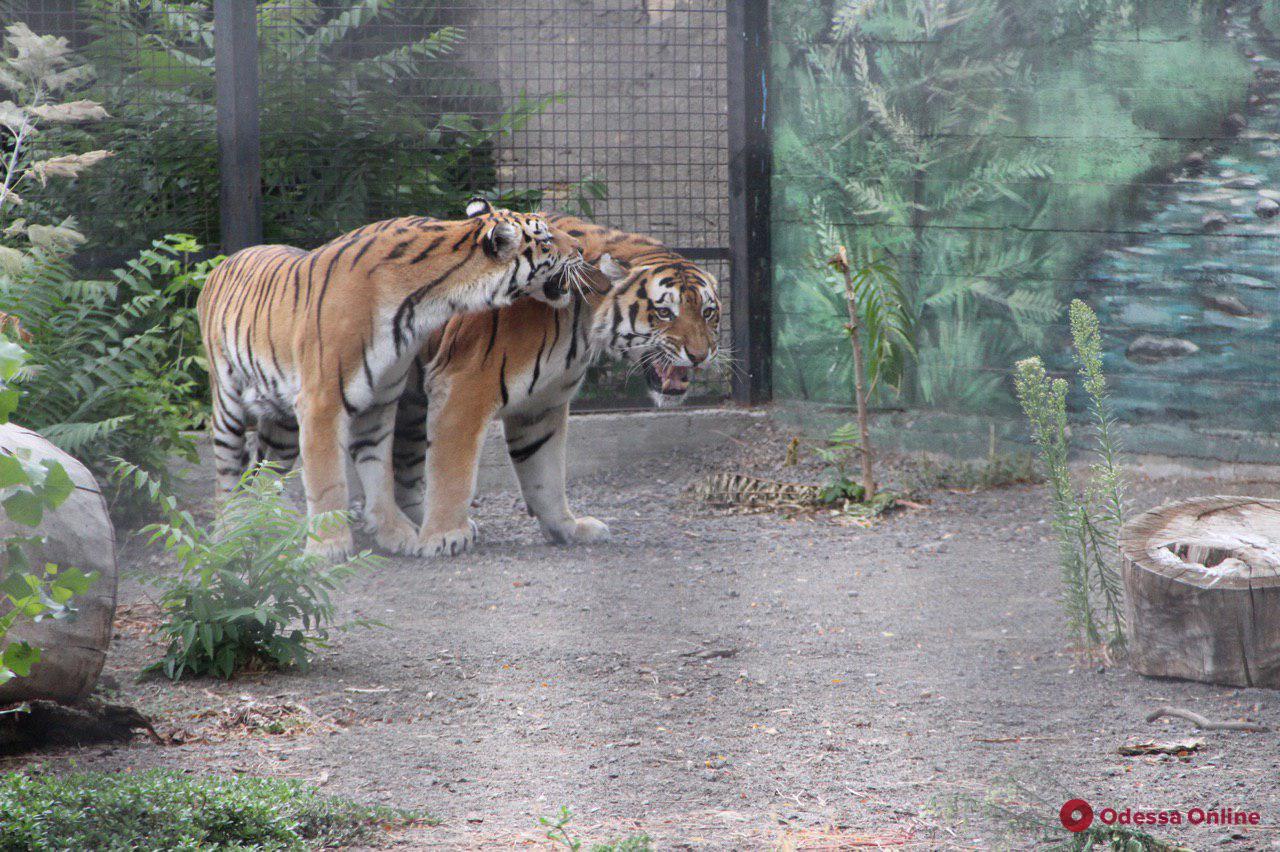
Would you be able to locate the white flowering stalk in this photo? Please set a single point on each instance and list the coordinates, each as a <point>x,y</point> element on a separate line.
<point>36,73</point>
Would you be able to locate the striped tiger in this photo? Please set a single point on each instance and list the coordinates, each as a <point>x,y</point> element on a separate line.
<point>524,363</point>
<point>315,346</point>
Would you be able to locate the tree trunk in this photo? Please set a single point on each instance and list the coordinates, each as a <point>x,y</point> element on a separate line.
<point>78,533</point>
<point>1202,583</point>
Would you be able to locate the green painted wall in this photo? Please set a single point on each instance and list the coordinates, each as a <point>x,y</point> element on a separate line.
<point>1013,154</point>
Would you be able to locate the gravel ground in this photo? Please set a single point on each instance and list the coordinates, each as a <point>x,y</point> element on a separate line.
<point>721,681</point>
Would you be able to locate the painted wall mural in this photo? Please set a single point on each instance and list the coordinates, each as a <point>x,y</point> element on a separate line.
<point>1010,155</point>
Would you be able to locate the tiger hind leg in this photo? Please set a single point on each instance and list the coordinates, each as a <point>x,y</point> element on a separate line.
<point>409,451</point>
<point>277,443</point>
<point>230,452</point>
<point>537,451</point>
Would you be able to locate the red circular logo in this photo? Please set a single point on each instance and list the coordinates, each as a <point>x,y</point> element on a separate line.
<point>1076,815</point>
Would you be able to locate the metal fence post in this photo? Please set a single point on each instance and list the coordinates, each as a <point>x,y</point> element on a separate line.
<point>235,49</point>
<point>750,168</point>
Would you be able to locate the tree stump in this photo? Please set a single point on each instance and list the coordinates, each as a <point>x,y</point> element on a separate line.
<point>1202,584</point>
<point>78,533</point>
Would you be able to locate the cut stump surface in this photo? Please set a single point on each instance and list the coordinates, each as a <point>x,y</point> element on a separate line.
<point>1202,583</point>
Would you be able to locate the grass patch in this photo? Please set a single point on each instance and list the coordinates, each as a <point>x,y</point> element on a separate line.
<point>166,810</point>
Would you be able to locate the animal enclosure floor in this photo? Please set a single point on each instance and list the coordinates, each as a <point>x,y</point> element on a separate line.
<point>719,681</point>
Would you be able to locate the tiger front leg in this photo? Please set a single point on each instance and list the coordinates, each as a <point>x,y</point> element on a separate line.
<point>537,452</point>
<point>455,432</point>
<point>322,433</point>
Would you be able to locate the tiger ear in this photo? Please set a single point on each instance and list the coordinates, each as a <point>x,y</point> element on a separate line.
<point>478,206</point>
<point>614,270</point>
<point>503,241</point>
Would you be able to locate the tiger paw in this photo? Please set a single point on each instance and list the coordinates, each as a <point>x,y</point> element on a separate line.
<point>334,545</point>
<point>451,542</point>
<point>397,534</point>
<point>585,530</point>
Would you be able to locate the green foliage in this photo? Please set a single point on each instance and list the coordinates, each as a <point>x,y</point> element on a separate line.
<point>28,487</point>
<point>246,594</point>
<point>558,833</point>
<point>841,446</point>
<point>884,325</point>
<point>116,367</point>
<point>352,130</point>
<point>842,490</point>
<point>159,811</point>
<point>1087,519</point>
<point>982,144</point>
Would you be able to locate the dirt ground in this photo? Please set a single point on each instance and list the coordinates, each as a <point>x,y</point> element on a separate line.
<point>721,681</point>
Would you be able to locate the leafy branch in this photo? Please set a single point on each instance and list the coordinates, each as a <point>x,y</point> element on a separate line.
<point>29,486</point>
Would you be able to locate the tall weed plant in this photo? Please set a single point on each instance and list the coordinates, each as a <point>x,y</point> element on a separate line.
<point>1088,514</point>
<point>39,77</point>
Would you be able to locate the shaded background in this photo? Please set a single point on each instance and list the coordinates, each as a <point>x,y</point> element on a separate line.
<point>1007,155</point>
<point>1010,156</point>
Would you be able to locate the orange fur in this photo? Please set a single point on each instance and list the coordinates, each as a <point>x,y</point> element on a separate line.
<point>524,364</point>
<point>315,345</point>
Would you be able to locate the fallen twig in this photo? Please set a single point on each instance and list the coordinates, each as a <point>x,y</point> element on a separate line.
<point>1177,748</point>
<point>711,653</point>
<point>1204,723</point>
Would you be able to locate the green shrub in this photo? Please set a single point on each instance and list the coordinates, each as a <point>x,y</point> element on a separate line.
<point>116,369</point>
<point>246,594</point>
<point>1087,519</point>
<point>28,487</point>
<point>164,811</point>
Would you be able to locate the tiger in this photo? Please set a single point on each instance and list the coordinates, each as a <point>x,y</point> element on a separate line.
<point>525,362</point>
<point>315,346</point>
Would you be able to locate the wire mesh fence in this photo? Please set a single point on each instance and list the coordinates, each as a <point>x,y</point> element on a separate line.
<point>612,109</point>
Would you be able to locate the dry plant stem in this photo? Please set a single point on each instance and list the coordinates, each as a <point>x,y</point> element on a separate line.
<point>1204,723</point>
<point>841,261</point>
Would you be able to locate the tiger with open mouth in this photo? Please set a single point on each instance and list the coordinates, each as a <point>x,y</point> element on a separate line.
<point>524,364</point>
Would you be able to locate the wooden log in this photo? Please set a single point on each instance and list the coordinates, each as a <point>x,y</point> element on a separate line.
<point>78,533</point>
<point>1202,584</point>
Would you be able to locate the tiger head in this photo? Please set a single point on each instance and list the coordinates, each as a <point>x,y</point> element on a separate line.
<point>551,259</point>
<point>663,316</point>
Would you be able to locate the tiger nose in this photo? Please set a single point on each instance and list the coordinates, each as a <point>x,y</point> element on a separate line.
<point>695,356</point>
